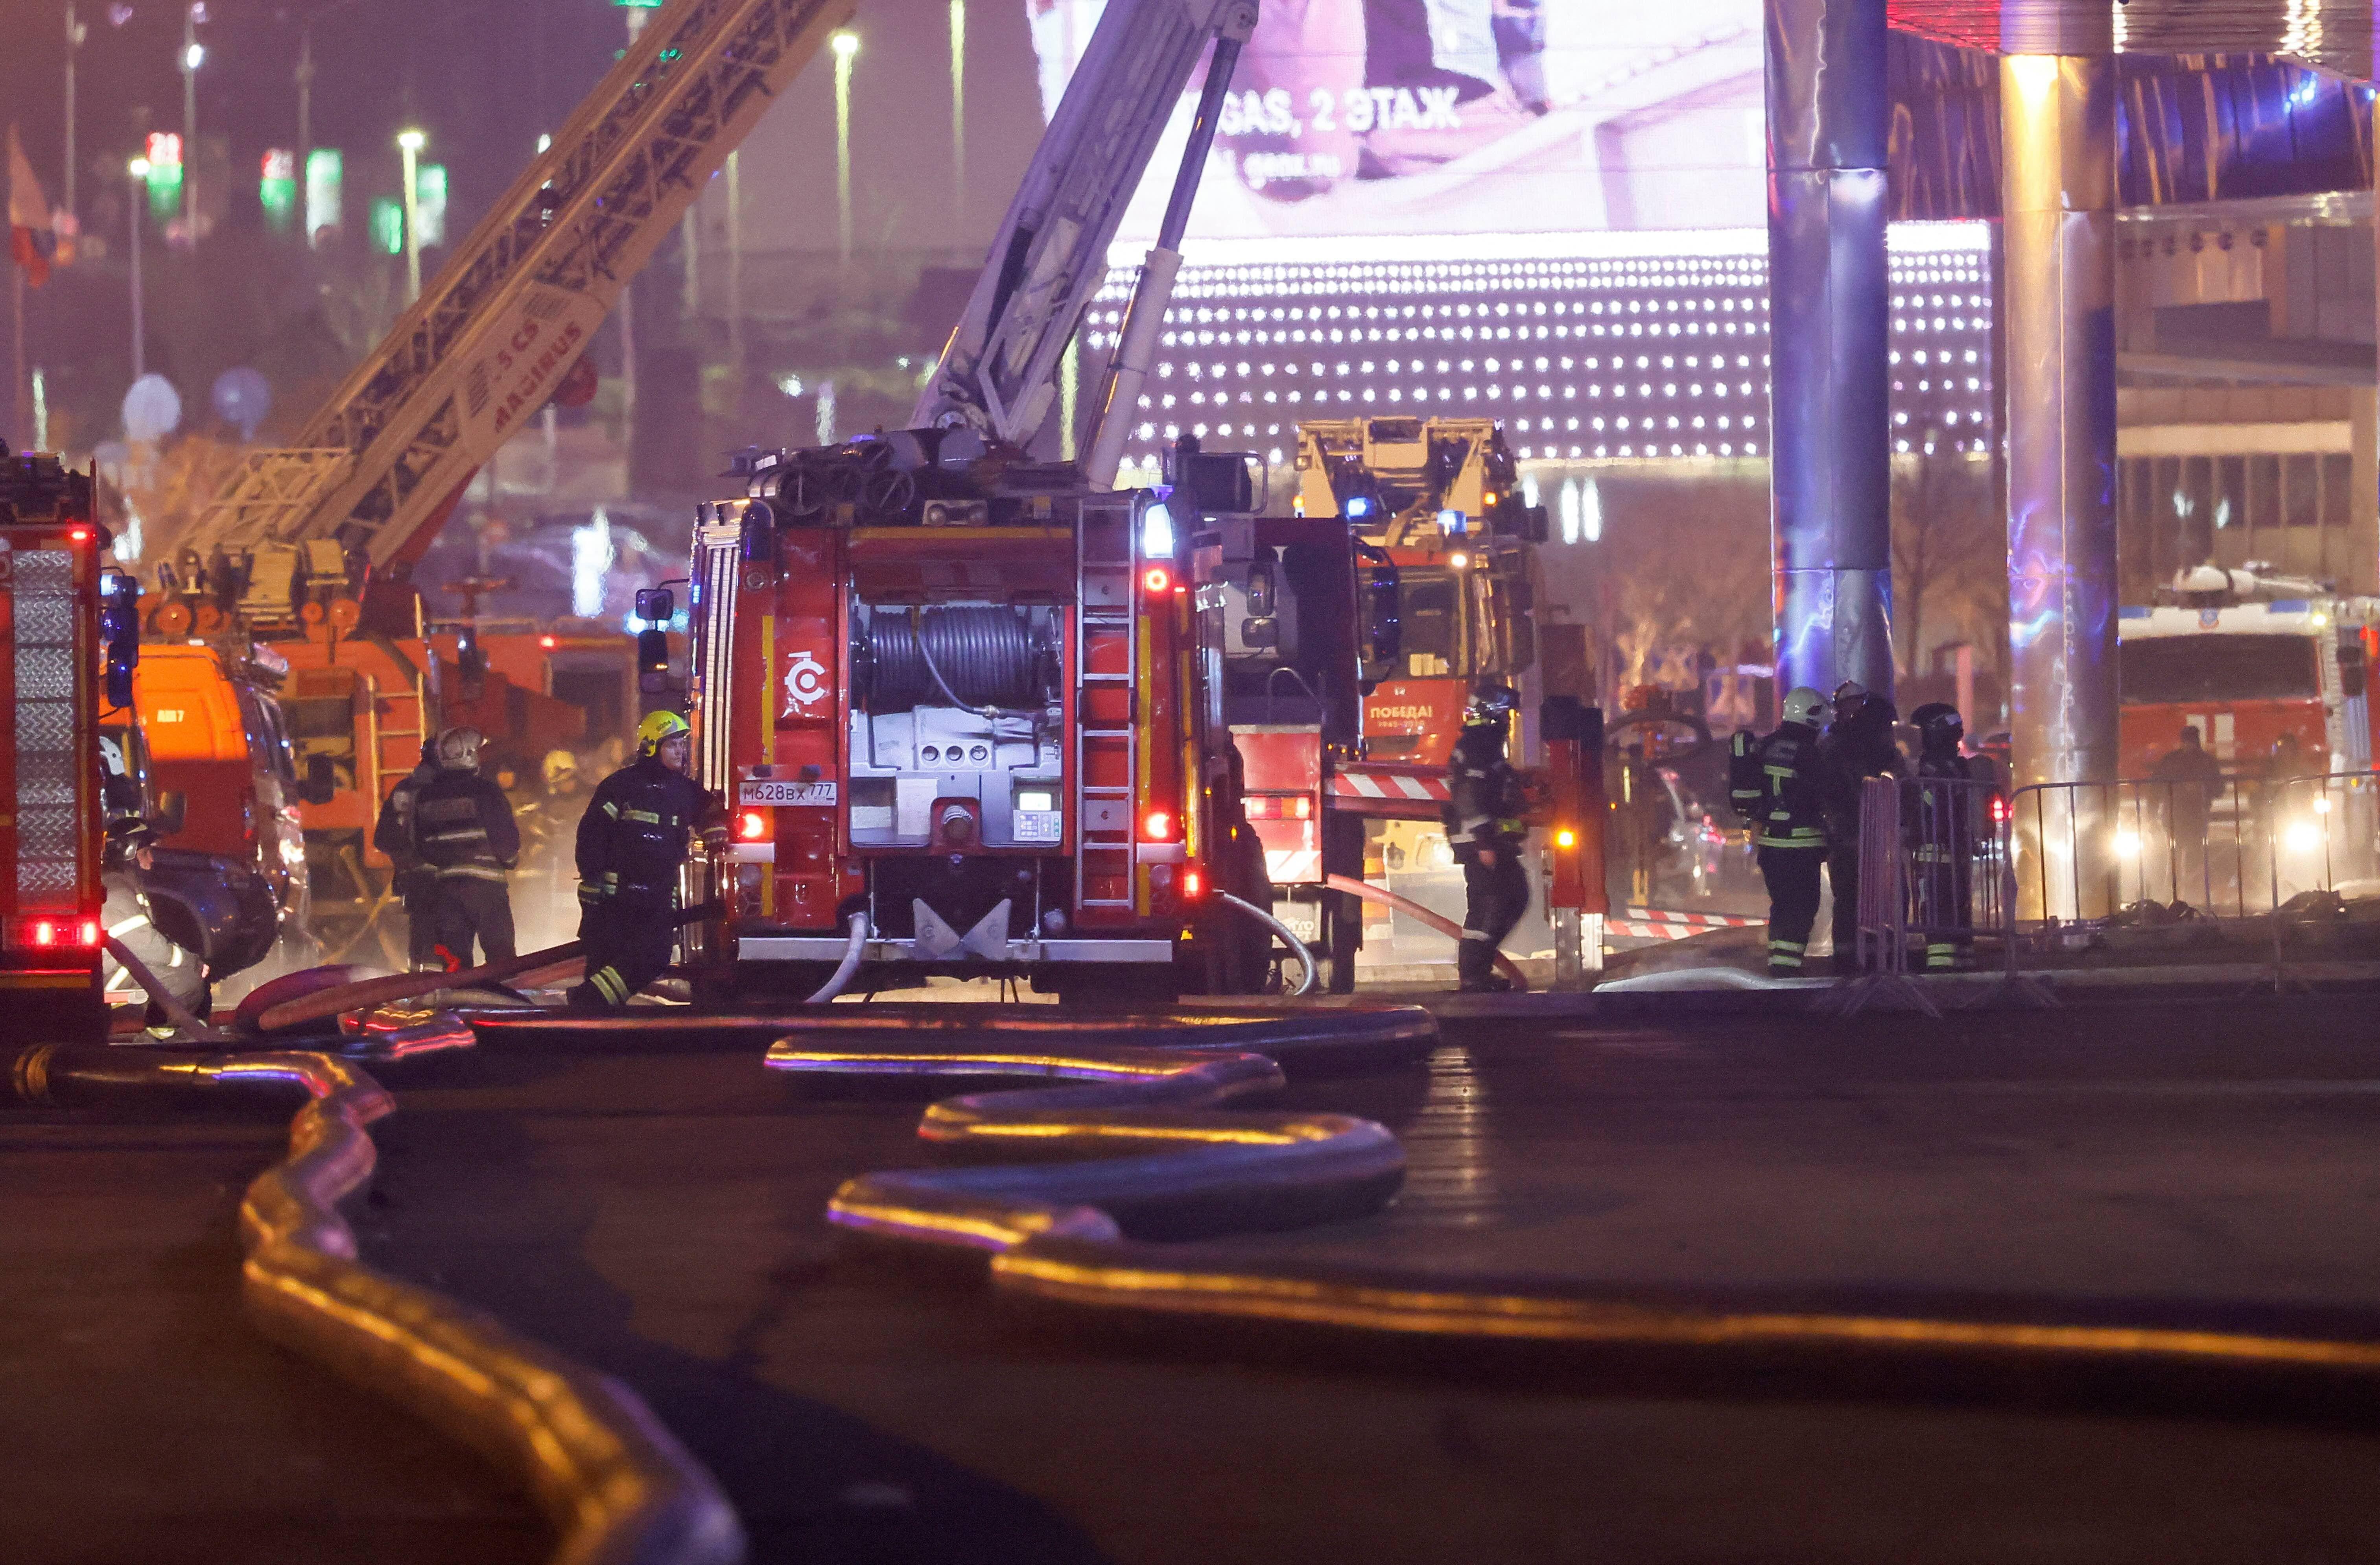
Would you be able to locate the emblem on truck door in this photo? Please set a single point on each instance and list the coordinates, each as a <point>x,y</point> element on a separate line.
<point>805,684</point>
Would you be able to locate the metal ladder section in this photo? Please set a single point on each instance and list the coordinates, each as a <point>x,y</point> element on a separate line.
<point>1104,607</point>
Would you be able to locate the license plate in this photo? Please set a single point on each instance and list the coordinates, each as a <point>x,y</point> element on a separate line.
<point>773,791</point>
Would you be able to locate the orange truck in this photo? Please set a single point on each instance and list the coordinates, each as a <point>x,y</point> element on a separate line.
<point>55,667</point>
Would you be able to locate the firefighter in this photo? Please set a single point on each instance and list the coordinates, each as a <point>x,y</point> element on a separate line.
<point>1858,745</point>
<point>631,843</point>
<point>415,883</point>
<point>1943,835</point>
<point>463,828</point>
<point>1484,827</point>
<point>1789,824</point>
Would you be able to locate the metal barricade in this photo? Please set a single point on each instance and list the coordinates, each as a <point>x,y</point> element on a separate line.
<point>2244,858</point>
<point>1933,872</point>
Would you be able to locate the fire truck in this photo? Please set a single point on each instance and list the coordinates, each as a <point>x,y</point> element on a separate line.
<point>2250,659</point>
<point>1436,507</point>
<point>979,713</point>
<point>55,667</point>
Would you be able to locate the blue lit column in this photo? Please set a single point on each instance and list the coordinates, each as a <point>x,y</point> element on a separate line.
<point>2058,117</point>
<point>1828,288</point>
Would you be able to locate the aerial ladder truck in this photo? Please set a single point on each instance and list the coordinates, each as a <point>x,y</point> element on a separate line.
<point>311,547</point>
<point>979,714</point>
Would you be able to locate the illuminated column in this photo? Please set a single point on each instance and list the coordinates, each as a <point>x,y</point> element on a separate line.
<point>1829,457</point>
<point>2058,119</point>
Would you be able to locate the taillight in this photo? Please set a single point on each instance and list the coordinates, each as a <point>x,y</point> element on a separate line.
<point>1999,808</point>
<point>751,826</point>
<point>50,934</point>
<point>1156,579</point>
<point>1157,826</point>
<point>1194,884</point>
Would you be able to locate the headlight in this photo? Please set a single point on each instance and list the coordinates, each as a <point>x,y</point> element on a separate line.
<point>2128,844</point>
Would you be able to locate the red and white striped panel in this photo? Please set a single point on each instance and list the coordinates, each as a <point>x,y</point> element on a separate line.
<point>1293,866</point>
<point>1392,789</point>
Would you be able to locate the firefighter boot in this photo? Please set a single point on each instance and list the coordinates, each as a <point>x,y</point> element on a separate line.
<point>1475,966</point>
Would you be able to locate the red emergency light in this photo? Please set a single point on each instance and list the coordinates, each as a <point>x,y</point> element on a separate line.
<point>1565,837</point>
<point>1156,579</point>
<point>548,642</point>
<point>1158,827</point>
<point>751,826</point>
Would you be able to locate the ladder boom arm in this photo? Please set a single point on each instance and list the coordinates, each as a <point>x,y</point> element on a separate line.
<point>518,301</point>
<point>1048,259</point>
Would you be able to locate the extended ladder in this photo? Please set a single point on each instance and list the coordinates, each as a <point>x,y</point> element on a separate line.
<point>519,302</point>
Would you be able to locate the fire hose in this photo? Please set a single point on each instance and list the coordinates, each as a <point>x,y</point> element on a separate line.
<point>849,965</point>
<point>1305,985</point>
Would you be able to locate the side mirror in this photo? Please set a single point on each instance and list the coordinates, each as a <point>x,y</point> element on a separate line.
<point>120,625</point>
<point>652,661</point>
<point>1381,592</point>
<point>656,606</point>
<point>172,809</point>
<point>321,783</point>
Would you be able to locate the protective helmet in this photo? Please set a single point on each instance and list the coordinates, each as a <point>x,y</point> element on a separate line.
<point>561,770</point>
<point>657,726</point>
<point>1938,723</point>
<point>1489,705</point>
<point>458,749</point>
<point>1803,704</point>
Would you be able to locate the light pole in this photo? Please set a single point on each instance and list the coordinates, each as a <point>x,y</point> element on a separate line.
<point>846,48</point>
<point>411,142</point>
<point>194,54</point>
<point>959,111</point>
<point>138,169</point>
<point>74,41</point>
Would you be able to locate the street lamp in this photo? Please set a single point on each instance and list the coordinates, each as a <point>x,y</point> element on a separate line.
<point>846,47</point>
<point>194,54</point>
<point>138,169</point>
<point>410,143</point>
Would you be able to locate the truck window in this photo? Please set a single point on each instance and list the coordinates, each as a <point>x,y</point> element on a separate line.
<point>1432,607</point>
<point>2181,670</point>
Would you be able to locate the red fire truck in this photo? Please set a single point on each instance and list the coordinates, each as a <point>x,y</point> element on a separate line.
<point>2251,661</point>
<point>53,668</point>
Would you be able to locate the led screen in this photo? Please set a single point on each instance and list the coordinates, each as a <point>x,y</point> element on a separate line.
<point>1384,118</point>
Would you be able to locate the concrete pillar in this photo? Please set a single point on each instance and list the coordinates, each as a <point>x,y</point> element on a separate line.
<point>1830,118</point>
<point>2058,129</point>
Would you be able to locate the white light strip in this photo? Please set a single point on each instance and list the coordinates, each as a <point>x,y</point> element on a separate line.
<point>1687,244</point>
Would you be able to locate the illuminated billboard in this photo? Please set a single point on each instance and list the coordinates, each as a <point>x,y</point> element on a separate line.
<point>1387,117</point>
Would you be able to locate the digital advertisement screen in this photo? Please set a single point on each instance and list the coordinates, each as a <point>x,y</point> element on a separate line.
<point>1392,117</point>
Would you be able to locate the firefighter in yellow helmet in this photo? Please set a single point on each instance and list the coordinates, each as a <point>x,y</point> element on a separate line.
<point>631,843</point>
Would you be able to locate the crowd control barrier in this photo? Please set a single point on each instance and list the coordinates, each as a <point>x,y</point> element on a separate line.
<point>1946,866</point>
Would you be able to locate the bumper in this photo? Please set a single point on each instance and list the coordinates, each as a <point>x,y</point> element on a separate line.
<point>831,949</point>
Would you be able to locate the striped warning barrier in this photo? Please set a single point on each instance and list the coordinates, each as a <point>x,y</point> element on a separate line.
<point>1665,924</point>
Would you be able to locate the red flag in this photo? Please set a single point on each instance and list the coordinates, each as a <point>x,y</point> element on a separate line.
<point>32,234</point>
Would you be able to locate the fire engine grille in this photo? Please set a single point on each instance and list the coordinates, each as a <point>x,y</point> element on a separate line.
<point>46,780</point>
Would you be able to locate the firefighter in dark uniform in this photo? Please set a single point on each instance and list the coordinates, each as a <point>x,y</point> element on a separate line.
<point>1788,825</point>
<point>463,828</point>
<point>1858,745</point>
<point>1484,826</point>
<point>1943,834</point>
<point>130,920</point>
<point>415,883</point>
<point>631,843</point>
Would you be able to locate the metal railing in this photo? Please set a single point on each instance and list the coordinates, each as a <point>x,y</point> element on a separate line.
<point>1945,864</point>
